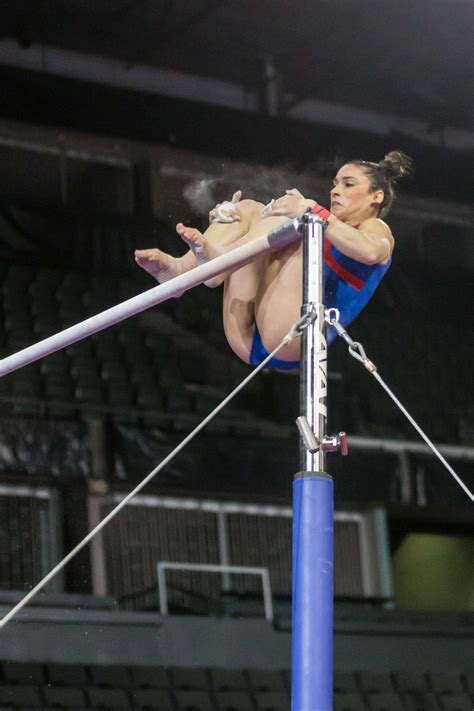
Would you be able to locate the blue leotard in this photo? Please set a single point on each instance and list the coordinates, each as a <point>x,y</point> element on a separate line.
<point>349,285</point>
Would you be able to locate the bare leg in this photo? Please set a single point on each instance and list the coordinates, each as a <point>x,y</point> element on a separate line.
<point>266,292</point>
<point>219,237</point>
<point>241,293</point>
<point>279,298</point>
<point>163,266</point>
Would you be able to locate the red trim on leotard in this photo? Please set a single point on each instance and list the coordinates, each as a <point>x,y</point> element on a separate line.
<point>349,278</point>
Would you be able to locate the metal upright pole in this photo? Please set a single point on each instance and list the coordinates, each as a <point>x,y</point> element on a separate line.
<point>312,641</point>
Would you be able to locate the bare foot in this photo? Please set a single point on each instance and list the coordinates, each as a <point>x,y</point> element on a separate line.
<point>163,266</point>
<point>202,249</point>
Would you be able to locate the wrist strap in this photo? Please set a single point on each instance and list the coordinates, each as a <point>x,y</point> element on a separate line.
<point>321,212</point>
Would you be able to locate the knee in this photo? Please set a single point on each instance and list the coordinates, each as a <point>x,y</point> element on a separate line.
<point>249,208</point>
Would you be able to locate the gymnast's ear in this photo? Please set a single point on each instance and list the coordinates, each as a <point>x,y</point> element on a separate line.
<point>378,197</point>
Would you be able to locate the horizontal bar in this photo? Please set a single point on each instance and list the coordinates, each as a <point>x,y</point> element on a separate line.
<point>234,259</point>
<point>395,446</point>
<point>212,568</point>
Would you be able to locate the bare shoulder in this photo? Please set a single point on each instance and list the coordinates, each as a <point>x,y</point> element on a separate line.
<point>375,225</point>
<point>380,234</point>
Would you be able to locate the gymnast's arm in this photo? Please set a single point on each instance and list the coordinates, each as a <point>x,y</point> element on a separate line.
<point>370,243</point>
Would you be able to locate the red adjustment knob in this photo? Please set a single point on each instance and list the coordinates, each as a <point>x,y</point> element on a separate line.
<point>344,447</point>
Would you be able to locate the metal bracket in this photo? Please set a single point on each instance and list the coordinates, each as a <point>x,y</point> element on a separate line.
<point>334,443</point>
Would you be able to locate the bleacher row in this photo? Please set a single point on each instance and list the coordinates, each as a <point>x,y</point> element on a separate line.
<point>141,374</point>
<point>122,369</point>
<point>62,686</point>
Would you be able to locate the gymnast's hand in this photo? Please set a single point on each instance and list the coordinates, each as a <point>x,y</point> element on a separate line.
<point>224,212</point>
<point>292,204</point>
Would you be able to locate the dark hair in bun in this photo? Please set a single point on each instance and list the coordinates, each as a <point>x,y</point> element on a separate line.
<point>384,175</point>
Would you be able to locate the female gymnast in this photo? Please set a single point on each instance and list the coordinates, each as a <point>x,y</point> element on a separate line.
<point>263,299</point>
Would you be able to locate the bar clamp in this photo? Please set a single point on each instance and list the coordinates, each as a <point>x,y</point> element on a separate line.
<point>328,443</point>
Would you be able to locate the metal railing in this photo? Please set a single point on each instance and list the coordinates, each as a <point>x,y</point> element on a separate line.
<point>163,566</point>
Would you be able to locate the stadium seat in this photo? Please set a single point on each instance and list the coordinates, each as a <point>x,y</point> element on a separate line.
<point>445,683</point>
<point>20,673</point>
<point>46,320</point>
<point>266,680</point>
<point>190,679</point>
<point>193,366</point>
<point>345,682</point>
<point>114,370</point>
<point>159,345</point>
<point>410,681</point>
<point>56,363</point>
<point>469,681</point>
<point>67,674</point>
<point>120,394</point>
<point>193,701</point>
<point>455,702</point>
<point>349,702</point>
<point>89,391</point>
<point>151,700</point>
<point>20,275</point>
<point>150,398</point>
<point>228,679</point>
<point>109,699</point>
<point>150,677</point>
<point>177,400</point>
<point>272,701</point>
<point>20,696</point>
<point>205,401</point>
<point>112,676</point>
<point>26,384</point>
<point>234,701</point>
<point>420,701</point>
<point>58,388</point>
<point>385,701</point>
<point>64,696</point>
<point>375,682</point>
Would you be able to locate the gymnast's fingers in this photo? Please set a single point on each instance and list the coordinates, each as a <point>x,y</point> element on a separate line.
<point>277,212</point>
<point>144,254</point>
<point>279,207</point>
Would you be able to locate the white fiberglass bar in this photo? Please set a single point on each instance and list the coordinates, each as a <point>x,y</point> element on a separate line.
<point>238,257</point>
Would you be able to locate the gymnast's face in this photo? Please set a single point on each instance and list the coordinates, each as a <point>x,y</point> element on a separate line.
<point>352,199</point>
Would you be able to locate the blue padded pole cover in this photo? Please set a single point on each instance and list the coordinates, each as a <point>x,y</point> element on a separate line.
<point>313,560</point>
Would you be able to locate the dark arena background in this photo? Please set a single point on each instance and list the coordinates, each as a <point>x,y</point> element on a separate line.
<point>119,118</point>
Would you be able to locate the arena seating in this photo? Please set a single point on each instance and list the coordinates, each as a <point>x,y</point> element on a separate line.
<point>109,688</point>
<point>123,369</point>
<point>139,373</point>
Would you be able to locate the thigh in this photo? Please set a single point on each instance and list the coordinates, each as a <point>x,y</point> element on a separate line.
<point>241,289</point>
<point>238,307</point>
<point>279,298</point>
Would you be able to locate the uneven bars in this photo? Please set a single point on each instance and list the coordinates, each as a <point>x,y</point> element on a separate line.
<point>234,259</point>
